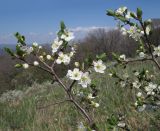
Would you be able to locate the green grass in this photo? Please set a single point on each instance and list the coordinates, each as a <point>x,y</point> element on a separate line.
<point>24,116</point>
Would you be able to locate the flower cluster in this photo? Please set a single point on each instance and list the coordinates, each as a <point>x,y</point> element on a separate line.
<point>56,44</point>
<point>63,58</point>
<point>151,88</point>
<point>83,77</point>
<point>121,10</point>
<point>133,32</point>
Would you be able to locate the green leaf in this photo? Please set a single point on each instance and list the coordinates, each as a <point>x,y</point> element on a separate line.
<point>19,51</point>
<point>132,14</point>
<point>139,13</point>
<point>123,19</point>
<point>9,51</point>
<point>101,56</point>
<point>110,13</point>
<point>20,38</point>
<point>18,65</point>
<point>63,27</point>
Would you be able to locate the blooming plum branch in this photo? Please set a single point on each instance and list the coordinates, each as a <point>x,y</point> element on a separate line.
<point>79,75</point>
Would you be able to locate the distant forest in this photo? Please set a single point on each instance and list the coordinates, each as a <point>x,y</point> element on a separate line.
<point>95,42</point>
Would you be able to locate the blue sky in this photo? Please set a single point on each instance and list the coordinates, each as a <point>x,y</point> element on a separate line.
<point>39,19</point>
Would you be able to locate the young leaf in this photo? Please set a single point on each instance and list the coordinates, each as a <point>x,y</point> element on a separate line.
<point>63,27</point>
<point>21,39</point>
<point>19,51</point>
<point>9,51</point>
<point>18,65</point>
<point>133,15</point>
<point>139,13</point>
<point>110,13</point>
<point>101,56</point>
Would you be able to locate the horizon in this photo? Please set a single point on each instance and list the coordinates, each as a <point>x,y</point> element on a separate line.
<point>39,22</point>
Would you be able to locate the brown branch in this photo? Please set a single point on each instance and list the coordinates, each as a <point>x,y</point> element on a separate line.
<point>149,45</point>
<point>83,112</point>
<point>71,98</point>
<point>72,84</point>
<point>40,67</point>
<point>136,60</point>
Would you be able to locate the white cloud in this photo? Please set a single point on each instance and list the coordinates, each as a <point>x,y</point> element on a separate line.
<point>80,33</point>
<point>88,29</point>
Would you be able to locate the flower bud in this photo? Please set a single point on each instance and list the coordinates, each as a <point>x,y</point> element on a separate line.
<point>25,66</point>
<point>76,64</point>
<point>139,94</point>
<point>48,57</point>
<point>35,44</point>
<point>36,63</point>
<point>41,57</point>
<point>141,55</point>
<point>40,47</point>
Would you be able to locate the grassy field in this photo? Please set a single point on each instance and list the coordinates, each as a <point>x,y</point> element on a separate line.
<point>22,115</point>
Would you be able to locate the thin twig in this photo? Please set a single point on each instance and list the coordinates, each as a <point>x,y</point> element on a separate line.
<point>149,45</point>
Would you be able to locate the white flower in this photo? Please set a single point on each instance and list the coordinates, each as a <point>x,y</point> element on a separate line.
<point>75,74</point>
<point>26,49</point>
<point>136,103</point>
<point>71,53</point>
<point>121,10</point>
<point>48,57</point>
<point>134,32</point>
<point>56,44</point>
<point>95,104</point>
<point>147,71</point>
<point>142,32</point>
<point>141,55</point>
<point>136,84</point>
<point>149,89</point>
<point>90,96</point>
<point>110,74</point>
<point>99,66</point>
<point>124,31</point>
<point>156,51</point>
<point>36,63</point>
<point>122,57</point>
<point>25,65</point>
<point>40,47</point>
<point>149,20</point>
<point>136,73</point>
<point>123,83</point>
<point>41,57</point>
<point>60,58</point>
<point>68,36</point>
<point>139,94</point>
<point>128,16</point>
<point>76,64</point>
<point>35,44</point>
<point>67,59</point>
<point>148,29</point>
<point>121,124</point>
<point>152,93</point>
<point>63,58</point>
<point>85,80</point>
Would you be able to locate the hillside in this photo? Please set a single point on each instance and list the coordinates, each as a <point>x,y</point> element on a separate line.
<point>21,111</point>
